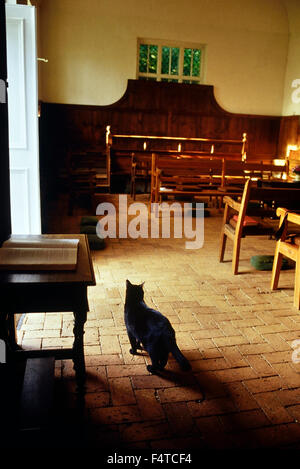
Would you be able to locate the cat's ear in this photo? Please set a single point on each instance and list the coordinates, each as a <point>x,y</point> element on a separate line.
<point>142,284</point>
<point>128,283</point>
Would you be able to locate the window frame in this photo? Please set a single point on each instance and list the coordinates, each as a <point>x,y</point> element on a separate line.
<point>180,78</point>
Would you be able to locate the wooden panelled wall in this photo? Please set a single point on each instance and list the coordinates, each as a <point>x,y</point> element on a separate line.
<point>157,108</point>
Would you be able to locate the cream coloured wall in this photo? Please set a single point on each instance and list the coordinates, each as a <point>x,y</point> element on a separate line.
<point>291,101</point>
<point>91,46</point>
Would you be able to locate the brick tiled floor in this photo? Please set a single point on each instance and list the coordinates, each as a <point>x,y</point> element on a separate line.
<point>243,390</point>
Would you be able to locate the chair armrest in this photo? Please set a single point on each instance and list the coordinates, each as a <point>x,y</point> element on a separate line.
<point>232,203</point>
<point>293,216</point>
<point>280,211</point>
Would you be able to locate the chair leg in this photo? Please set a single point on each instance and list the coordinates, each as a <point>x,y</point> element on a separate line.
<point>236,255</point>
<point>222,246</point>
<point>276,268</point>
<point>297,282</point>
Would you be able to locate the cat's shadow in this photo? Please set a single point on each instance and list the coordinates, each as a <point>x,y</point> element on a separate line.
<point>183,379</point>
<point>176,376</point>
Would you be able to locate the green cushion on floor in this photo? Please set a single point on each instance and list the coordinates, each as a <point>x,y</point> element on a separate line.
<point>88,229</point>
<point>89,220</point>
<point>266,262</point>
<point>95,242</point>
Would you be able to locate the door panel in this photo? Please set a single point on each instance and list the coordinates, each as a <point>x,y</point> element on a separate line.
<point>23,119</point>
<point>5,225</point>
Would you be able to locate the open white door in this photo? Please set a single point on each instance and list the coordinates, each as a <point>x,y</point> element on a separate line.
<point>23,119</point>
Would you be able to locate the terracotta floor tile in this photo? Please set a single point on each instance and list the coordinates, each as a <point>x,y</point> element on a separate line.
<point>243,390</point>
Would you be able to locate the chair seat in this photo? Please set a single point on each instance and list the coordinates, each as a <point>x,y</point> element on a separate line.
<point>262,228</point>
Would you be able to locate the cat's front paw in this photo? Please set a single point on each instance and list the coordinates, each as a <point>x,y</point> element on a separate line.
<point>151,369</point>
<point>132,351</point>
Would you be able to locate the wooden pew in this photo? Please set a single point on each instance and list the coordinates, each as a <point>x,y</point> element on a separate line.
<point>186,176</point>
<point>198,145</point>
<point>36,423</point>
<point>266,199</point>
<point>237,172</point>
<point>121,146</point>
<point>233,173</point>
<point>190,175</point>
<point>219,176</point>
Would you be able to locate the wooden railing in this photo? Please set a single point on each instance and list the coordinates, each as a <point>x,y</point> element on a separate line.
<point>123,144</point>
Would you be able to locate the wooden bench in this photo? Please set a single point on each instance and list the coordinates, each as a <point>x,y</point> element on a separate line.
<point>186,176</point>
<point>119,147</point>
<point>237,172</point>
<point>36,398</point>
<point>259,204</point>
<point>205,176</point>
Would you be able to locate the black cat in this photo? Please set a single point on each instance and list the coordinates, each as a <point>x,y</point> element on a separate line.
<point>150,328</point>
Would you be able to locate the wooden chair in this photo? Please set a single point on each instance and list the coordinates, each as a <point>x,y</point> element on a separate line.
<point>288,247</point>
<point>263,205</point>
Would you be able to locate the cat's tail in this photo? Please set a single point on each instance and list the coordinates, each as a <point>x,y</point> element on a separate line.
<point>179,357</point>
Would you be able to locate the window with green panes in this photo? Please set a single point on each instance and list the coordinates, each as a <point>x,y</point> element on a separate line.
<point>161,61</point>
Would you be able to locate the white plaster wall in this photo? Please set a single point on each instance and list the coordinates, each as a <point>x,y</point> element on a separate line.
<point>92,47</point>
<point>291,101</point>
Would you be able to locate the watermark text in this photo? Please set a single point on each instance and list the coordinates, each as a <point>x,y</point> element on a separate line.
<point>135,221</point>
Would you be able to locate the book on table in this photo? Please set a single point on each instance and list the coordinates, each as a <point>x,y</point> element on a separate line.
<point>36,252</point>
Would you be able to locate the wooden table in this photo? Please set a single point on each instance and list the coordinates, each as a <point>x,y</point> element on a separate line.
<point>50,291</point>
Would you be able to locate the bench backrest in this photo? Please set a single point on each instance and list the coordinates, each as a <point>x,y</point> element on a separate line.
<point>268,199</point>
<point>164,142</point>
<point>257,170</point>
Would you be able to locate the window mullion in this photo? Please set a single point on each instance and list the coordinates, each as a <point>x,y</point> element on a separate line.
<point>159,55</point>
<point>148,58</point>
<point>181,57</point>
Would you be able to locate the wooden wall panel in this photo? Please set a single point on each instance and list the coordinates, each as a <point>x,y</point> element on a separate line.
<point>153,108</point>
<point>289,133</point>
